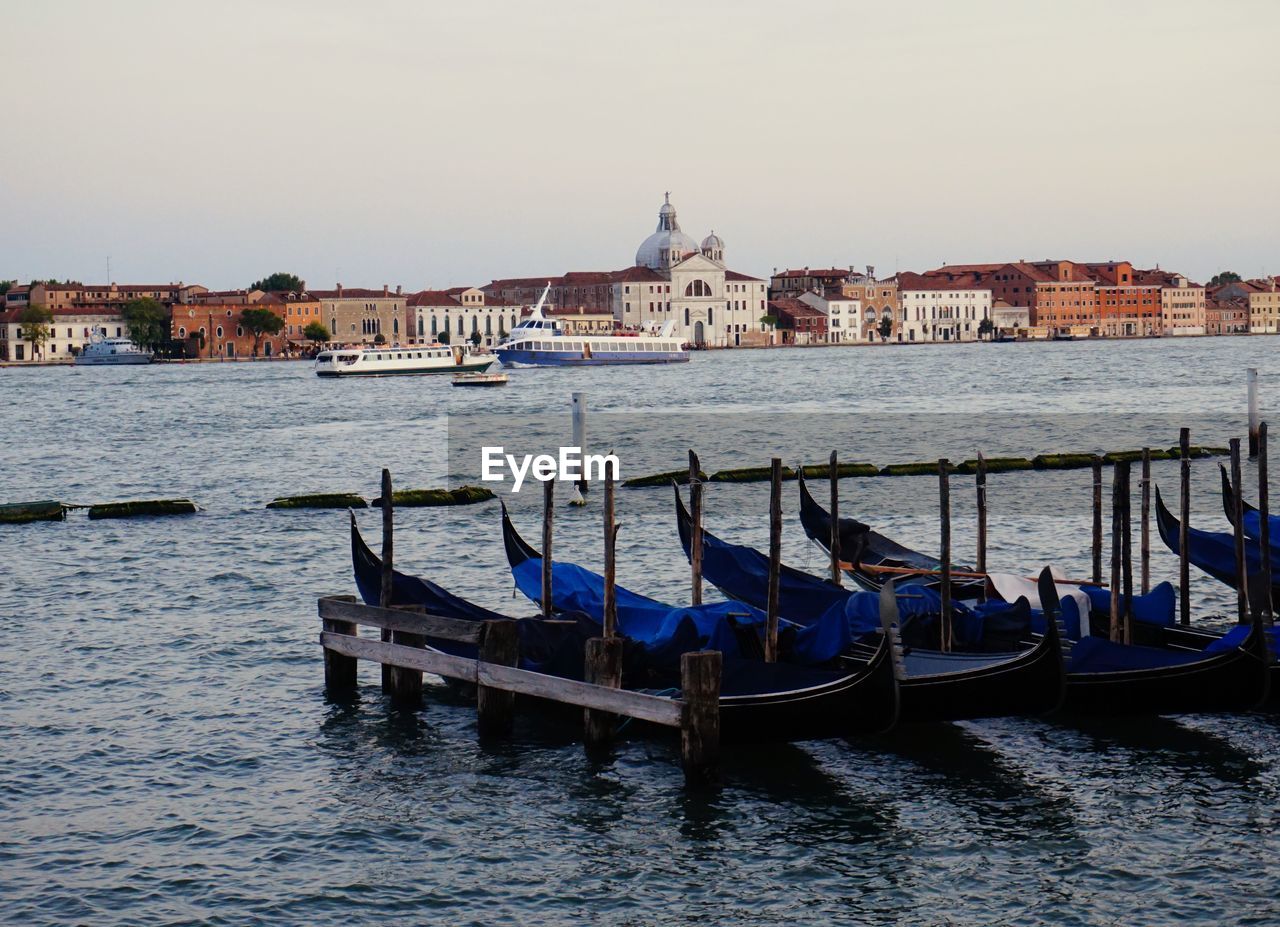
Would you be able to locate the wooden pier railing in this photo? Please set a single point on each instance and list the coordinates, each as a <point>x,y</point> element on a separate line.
<point>498,679</point>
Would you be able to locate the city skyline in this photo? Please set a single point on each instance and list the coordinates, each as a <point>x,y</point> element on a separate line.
<point>450,147</point>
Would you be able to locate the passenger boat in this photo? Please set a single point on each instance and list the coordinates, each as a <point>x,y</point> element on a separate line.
<point>538,341</point>
<point>103,351</point>
<point>937,686</point>
<point>1167,670</point>
<point>480,379</point>
<point>382,362</point>
<point>758,701</point>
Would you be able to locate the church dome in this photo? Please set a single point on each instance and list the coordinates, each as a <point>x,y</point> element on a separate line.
<point>667,245</point>
<point>713,242</point>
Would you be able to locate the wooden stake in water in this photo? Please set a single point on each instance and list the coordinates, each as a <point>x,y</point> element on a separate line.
<point>578,403</point>
<point>944,518</point>
<point>1242,578</point>
<point>981,481</point>
<point>833,543</point>
<point>610,557</point>
<point>695,542</point>
<point>1184,528</point>
<point>1126,549</point>
<point>775,560</point>
<point>548,513</point>
<point>1097,520</point>
<point>1264,532</point>
<point>1146,520</point>
<point>1116,554</point>
<point>1254,417</point>
<point>387,584</point>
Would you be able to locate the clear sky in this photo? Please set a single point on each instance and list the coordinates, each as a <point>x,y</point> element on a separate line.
<point>435,144</point>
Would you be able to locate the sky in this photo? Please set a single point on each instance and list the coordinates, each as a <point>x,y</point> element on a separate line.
<point>433,144</point>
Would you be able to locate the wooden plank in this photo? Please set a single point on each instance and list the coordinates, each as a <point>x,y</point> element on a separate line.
<point>339,669</point>
<point>429,661</point>
<point>651,708</point>
<point>395,619</point>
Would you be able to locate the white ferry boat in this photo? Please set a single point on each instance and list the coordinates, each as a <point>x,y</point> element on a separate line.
<point>381,362</point>
<point>541,342</point>
<point>102,351</point>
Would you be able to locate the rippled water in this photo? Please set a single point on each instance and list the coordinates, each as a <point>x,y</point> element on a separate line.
<point>169,757</point>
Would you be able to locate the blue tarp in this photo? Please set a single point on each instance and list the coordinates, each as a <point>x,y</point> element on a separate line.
<point>1099,655</point>
<point>575,589</point>
<point>1156,607</point>
<point>1253,527</point>
<point>1235,638</point>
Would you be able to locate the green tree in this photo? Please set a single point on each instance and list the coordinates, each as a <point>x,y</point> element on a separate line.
<point>35,321</point>
<point>147,321</point>
<point>443,336</point>
<point>986,327</point>
<point>7,285</point>
<point>279,281</point>
<point>260,322</point>
<point>1227,276</point>
<point>316,331</point>
<point>769,320</point>
<point>475,339</point>
<point>885,328</point>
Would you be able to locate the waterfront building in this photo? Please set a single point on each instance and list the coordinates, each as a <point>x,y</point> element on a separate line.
<point>213,330</point>
<point>358,316</point>
<point>878,300</point>
<point>1126,307</point>
<point>1013,321</point>
<point>1182,303</point>
<point>1059,295</point>
<point>69,331</point>
<point>57,296</point>
<point>795,283</point>
<point>797,321</point>
<point>1264,307</point>
<point>466,313</point>
<point>844,315</point>
<point>937,309</point>
<point>1226,315</point>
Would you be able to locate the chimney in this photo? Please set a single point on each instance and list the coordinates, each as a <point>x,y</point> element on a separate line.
<point>397,289</point>
<point>386,290</point>
<point>339,291</point>
<point>871,271</point>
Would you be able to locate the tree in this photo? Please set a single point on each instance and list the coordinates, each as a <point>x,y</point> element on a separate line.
<point>279,281</point>
<point>885,328</point>
<point>769,320</point>
<point>986,327</point>
<point>35,321</point>
<point>148,322</point>
<point>315,331</point>
<point>1227,276</point>
<point>260,322</point>
<point>443,336</point>
<point>7,285</point>
<point>475,339</point>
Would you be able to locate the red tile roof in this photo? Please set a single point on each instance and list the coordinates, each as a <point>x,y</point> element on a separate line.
<point>356,293</point>
<point>816,272</point>
<point>638,274</point>
<point>913,281</point>
<point>734,275</point>
<point>433,298</point>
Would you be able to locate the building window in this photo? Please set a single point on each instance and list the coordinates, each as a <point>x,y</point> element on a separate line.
<point>219,331</point>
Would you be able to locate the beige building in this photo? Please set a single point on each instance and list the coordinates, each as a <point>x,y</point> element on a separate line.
<point>70,330</point>
<point>359,316</point>
<point>844,315</point>
<point>71,295</point>
<point>1182,303</point>
<point>1264,307</point>
<point>936,309</point>
<point>463,312</point>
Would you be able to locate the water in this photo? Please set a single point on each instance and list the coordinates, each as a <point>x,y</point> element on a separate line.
<point>169,756</point>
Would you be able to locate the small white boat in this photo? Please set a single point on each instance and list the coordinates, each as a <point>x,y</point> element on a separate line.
<point>102,351</point>
<point>382,362</point>
<point>538,341</point>
<point>479,379</point>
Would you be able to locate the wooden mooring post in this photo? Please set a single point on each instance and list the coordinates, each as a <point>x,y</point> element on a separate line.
<point>388,577</point>
<point>578,404</point>
<point>1242,577</point>
<point>833,543</point>
<point>980,480</point>
<point>775,560</point>
<point>1126,549</point>
<point>1264,531</point>
<point>1097,520</point>
<point>548,514</point>
<point>1117,551</point>
<point>944,518</point>
<point>1184,528</point>
<point>695,542</point>
<point>1146,520</point>
<point>603,655</point>
<point>1255,419</point>
<point>696,713</point>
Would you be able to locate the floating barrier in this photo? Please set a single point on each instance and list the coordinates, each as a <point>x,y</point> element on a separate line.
<point>18,513</point>
<point>997,465</point>
<point>749,475</point>
<point>422,498</point>
<point>143,507</point>
<point>324,500</point>
<point>662,479</point>
<point>1062,461</point>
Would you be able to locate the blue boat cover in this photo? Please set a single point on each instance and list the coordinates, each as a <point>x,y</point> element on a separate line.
<point>743,573</point>
<point>575,589</point>
<point>1235,638</point>
<point>1156,607</point>
<point>1099,655</point>
<point>1253,526</point>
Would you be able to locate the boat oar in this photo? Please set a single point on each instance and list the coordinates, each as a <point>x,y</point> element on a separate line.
<point>912,571</point>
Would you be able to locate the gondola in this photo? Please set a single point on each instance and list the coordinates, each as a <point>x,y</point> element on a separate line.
<point>758,701</point>
<point>1109,678</point>
<point>874,558</point>
<point>1252,517</point>
<point>937,686</point>
<point>1214,552</point>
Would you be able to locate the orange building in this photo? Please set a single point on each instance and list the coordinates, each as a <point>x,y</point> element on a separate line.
<point>214,330</point>
<point>1058,295</point>
<point>1127,308</point>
